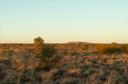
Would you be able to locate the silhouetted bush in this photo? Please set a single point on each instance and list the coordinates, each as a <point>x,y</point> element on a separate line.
<point>49,57</point>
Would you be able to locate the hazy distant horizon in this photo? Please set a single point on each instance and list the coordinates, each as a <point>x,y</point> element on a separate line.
<point>58,21</point>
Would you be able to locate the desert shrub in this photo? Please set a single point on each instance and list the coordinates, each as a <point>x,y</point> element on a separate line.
<point>58,74</point>
<point>124,48</point>
<point>49,57</point>
<point>111,50</point>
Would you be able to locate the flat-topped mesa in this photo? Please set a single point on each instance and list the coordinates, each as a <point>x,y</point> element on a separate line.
<point>38,46</point>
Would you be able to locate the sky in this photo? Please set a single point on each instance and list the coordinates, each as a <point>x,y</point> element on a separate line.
<point>60,21</point>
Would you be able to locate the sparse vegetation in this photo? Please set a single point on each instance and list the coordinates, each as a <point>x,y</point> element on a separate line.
<point>43,64</point>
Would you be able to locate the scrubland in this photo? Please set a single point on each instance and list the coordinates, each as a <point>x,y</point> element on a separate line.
<point>58,65</point>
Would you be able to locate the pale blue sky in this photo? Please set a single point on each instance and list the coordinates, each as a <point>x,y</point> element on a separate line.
<point>64,20</point>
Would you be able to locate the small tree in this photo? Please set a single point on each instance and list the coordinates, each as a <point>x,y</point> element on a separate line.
<point>38,46</point>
